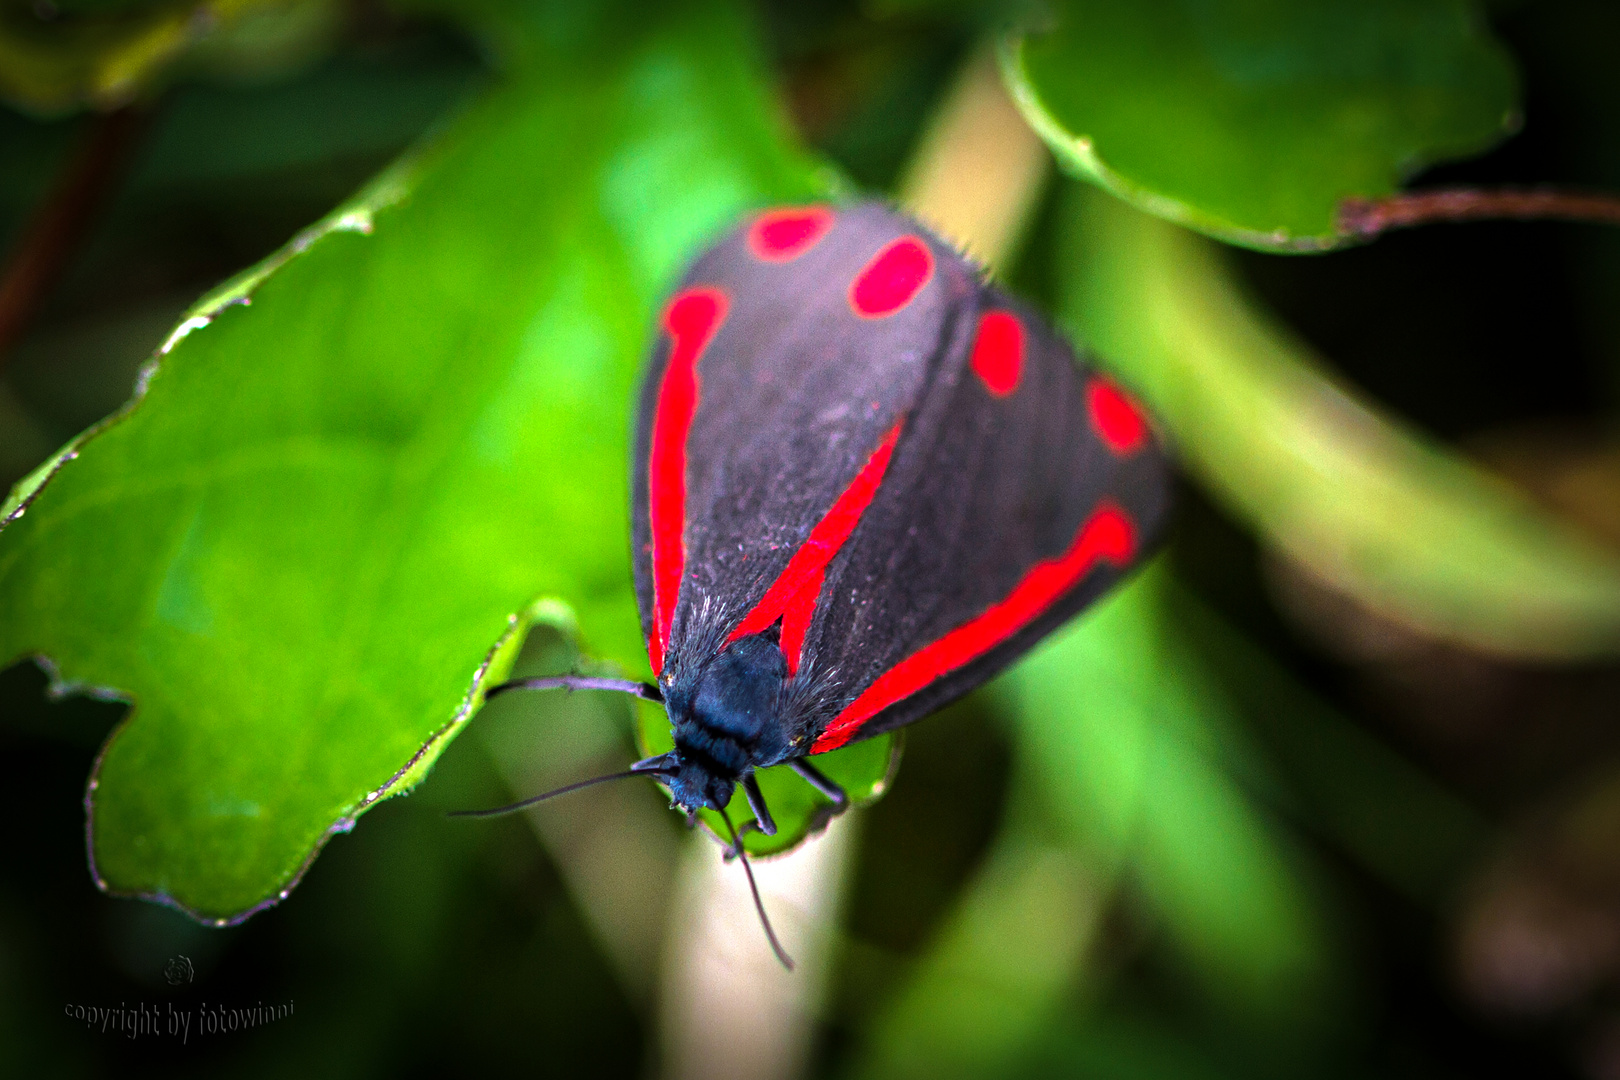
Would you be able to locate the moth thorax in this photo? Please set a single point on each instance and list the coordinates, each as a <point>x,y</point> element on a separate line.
<point>725,720</point>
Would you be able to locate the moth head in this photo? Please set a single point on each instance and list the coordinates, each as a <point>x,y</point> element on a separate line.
<point>725,719</point>
<point>695,785</point>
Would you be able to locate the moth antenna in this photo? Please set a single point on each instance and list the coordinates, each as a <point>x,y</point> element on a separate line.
<point>759,905</point>
<point>522,804</point>
<point>645,691</point>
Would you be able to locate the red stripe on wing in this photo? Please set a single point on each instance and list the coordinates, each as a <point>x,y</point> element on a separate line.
<point>796,619</point>
<point>792,596</point>
<point>1106,534</point>
<point>691,321</point>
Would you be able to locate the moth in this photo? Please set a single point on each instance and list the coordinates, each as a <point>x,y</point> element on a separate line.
<point>865,480</point>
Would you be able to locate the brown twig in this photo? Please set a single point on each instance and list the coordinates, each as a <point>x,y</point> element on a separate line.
<point>62,219</point>
<point>1367,218</point>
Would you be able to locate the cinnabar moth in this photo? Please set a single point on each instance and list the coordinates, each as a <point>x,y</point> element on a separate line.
<point>865,480</point>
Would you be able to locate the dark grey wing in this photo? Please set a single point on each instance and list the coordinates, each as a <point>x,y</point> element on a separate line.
<point>794,392</point>
<point>1001,516</point>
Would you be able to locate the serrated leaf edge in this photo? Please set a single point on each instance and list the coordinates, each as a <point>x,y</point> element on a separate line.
<point>392,187</point>
<point>496,663</point>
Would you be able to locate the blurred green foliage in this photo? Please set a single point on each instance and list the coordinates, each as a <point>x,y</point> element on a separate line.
<point>1412,530</point>
<point>400,447</point>
<point>58,57</point>
<point>1253,121</point>
<point>1174,842</point>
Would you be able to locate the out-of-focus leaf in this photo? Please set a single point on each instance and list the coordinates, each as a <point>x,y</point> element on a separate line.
<point>1252,120</point>
<point>984,12</point>
<point>214,140</point>
<point>863,769</point>
<point>353,464</point>
<point>998,972</point>
<point>23,440</point>
<point>1125,1047</point>
<point>1411,530</point>
<point>104,56</point>
<point>1133,747</point>
<point>1133,768</point>
<point>1342,783</point>
<point>615,845</point>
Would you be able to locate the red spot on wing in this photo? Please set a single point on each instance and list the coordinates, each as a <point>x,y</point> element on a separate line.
<point>792,596</point>
<point>691,320</point>
<point>998,352</point>
<point>1116,417</point>
<point>892,278</point>
<point>1106,534</point>
<point>783,235</point>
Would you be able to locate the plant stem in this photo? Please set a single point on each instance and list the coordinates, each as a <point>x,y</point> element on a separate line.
<point>978,171</point>
<point>1368,218</point>
<point>62,219</point>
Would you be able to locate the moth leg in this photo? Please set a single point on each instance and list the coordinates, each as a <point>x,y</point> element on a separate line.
<point>822,783</point>
<point>756,803</point>
<point>645,691</point>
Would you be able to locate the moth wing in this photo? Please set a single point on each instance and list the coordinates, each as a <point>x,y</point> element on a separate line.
<point>794,393</point>
<point>1005,511</point>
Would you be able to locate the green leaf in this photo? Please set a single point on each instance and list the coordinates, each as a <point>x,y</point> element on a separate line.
<point>998,971</point>
<point>1125,1045</point>
<point>106,55</point>
<point>1343,783</point>
<point>323,525</point>
<point>1135,749</point>
<point>1410,529</point>
<point>1135,767</point>
<point>1252,120</point>
<point>863,769</point>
